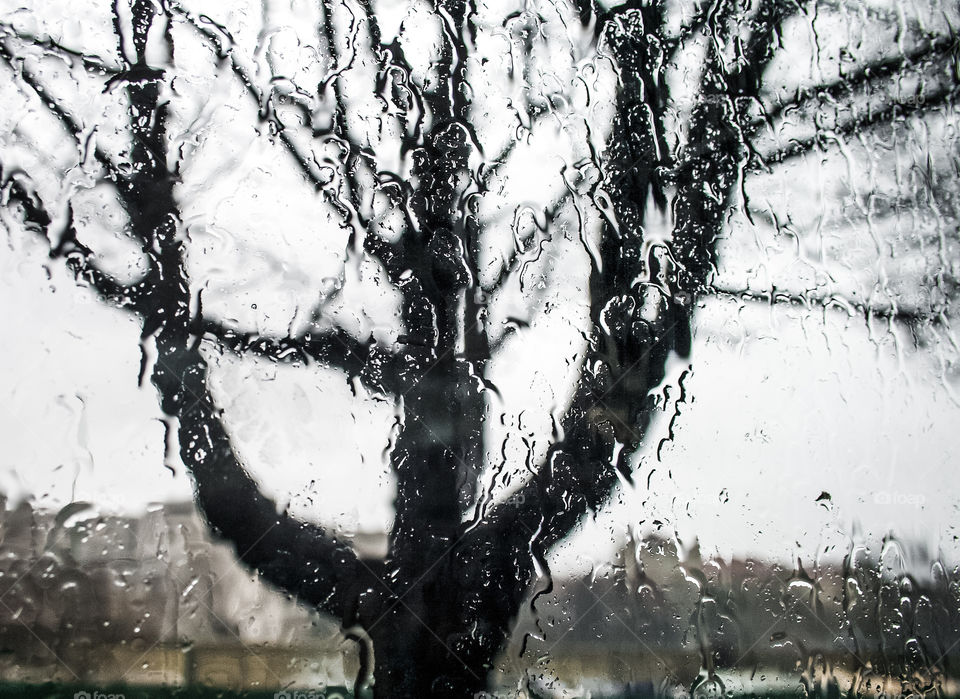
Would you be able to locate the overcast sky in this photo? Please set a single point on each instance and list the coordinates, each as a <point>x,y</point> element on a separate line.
<point>781,407</point>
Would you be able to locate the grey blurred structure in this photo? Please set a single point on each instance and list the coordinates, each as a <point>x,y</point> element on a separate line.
<point>668,622</point>
<point>150,600</point>
<point>154,600</point>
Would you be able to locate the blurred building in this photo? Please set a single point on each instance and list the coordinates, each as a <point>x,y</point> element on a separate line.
<point>656,619</point>
<point>96,598</point>
<point>100,598</point>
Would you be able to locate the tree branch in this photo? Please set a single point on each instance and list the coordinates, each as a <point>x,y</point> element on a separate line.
<point>871,119</point>
<point>70,125</point>
<point>935,55</point>
<point>893,312</point>
<point>94,64</point>
<point>299,558</point>
<point>67,121</point>
<point>627,354</point>
<point>604,425</point>
<point>385,251</point>
<point>224,49</point>
<point>635,322</point>
<point>336,349</point>
<point>940,50</point>
<point>78,257</point>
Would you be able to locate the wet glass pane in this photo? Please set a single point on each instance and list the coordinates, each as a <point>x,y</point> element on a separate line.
<point>555,348</point>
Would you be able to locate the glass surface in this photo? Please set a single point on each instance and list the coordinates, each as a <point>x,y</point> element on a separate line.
<point>553,348</point>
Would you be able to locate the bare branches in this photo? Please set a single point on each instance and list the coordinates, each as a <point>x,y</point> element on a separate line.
<point>636,327</point>
<point>348,208</point>
<point>862,122</point>
<point>94,64</point>
<point>80,259</point>
<point>336,349</point>
<point>911,316</point>
<point>221,40</point>
<point>937,53</point>
<point>933,62</point>
<point>300,558</point>
<point>77,256</point>
<point>66,119</point>
<point>296,556</point>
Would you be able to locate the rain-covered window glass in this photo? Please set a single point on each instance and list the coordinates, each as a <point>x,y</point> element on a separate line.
<point>458,348</point>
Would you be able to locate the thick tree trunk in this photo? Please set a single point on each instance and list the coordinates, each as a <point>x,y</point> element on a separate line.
<point>412,660</point>
<point>427,629</point>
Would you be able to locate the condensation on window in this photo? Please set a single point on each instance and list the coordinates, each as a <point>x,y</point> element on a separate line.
<point>555,348</point>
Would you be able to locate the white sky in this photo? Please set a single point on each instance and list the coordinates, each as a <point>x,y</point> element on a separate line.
<point>792,407</point>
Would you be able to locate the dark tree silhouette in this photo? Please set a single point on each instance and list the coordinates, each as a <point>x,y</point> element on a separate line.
<point>440,606</point>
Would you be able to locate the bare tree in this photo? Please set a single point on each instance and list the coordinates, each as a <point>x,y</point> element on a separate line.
<point>439,607</point>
